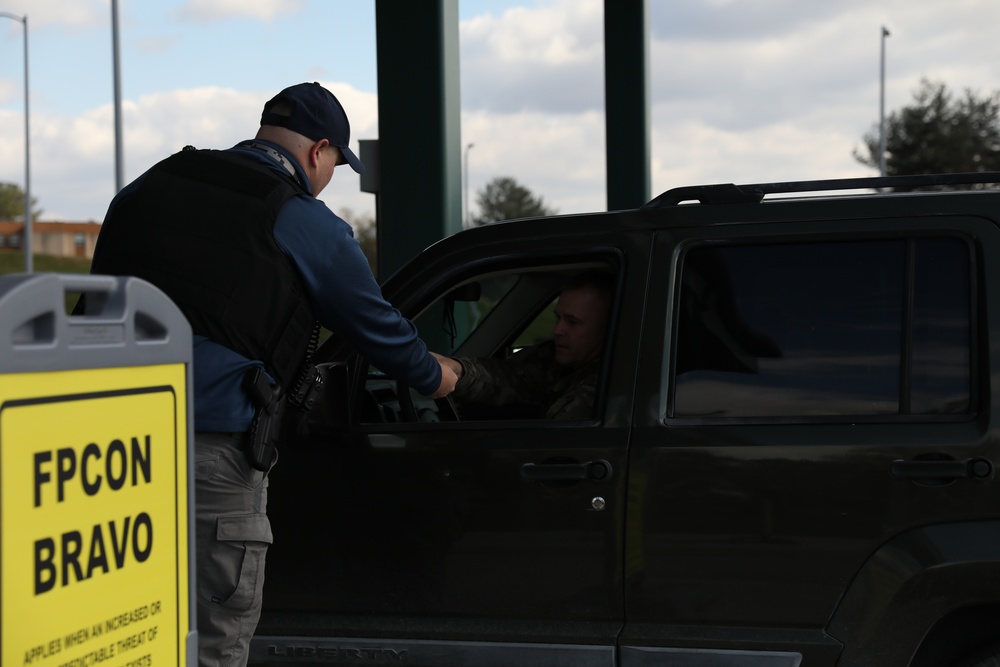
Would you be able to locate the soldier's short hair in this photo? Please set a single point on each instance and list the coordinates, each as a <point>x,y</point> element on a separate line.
<point>602,281</point>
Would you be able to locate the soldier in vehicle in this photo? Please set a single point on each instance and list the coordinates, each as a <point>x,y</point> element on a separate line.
<point>557,377</point>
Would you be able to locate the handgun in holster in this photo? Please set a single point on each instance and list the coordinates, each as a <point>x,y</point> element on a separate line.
<point>266,426</point>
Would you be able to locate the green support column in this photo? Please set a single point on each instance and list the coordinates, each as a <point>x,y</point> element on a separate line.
<point>626,92</point>
<point>420,180</point>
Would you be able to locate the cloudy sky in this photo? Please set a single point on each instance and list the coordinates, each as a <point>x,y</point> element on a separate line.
<point>741,90</point>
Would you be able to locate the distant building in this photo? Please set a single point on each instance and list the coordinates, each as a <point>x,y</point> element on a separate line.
<point>60,239</point>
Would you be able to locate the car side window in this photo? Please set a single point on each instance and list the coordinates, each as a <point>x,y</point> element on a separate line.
<point>467,307</point>
<point>501,324</point>
<point>878,328</point>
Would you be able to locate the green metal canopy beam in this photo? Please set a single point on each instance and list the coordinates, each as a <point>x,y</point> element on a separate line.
<point>419,119</point>
<point>626,95</point>
<point>418,177</point>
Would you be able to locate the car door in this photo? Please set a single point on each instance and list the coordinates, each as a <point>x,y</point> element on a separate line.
<point>482,541</point>
<point>803,381</point>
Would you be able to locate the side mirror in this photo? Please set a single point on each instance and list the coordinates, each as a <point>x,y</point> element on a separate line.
<point>466,292</point>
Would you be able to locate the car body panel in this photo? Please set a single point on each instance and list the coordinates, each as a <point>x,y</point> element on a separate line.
<point>800,540</point>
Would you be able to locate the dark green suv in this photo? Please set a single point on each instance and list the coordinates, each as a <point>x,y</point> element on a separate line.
<point>790,461</point>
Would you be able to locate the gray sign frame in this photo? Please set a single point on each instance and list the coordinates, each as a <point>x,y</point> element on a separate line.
<point>126,322</point>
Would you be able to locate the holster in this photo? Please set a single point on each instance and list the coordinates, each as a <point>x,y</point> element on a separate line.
<point>265,429</point>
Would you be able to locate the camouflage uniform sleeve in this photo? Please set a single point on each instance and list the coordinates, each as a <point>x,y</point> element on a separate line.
<point>576,401</point>
<point>520,379</point>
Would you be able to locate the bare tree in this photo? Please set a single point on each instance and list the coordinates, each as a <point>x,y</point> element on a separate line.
<point>365,232</point>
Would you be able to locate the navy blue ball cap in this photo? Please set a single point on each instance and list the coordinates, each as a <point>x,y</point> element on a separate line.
<point>314,112</point>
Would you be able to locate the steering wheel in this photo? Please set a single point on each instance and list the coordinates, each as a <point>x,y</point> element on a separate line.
<point>446,409</point>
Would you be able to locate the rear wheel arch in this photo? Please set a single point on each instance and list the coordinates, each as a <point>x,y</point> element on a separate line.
<point>922,594</point>
<point>963,638</point>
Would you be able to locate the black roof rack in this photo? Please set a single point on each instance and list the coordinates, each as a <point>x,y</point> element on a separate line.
<point>727,193</point>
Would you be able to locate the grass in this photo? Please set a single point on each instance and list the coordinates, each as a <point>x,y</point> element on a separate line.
<point>13,262</point>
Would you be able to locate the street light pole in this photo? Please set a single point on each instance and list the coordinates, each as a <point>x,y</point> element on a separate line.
<point>881,107</point>
<point>23,20</point>
<point>467,148</point>
<point>116,66</point>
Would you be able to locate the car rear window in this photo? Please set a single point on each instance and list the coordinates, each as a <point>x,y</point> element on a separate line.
<point>853,328</point>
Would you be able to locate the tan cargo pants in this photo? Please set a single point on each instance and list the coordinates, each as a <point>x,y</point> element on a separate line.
<point>232,534</point>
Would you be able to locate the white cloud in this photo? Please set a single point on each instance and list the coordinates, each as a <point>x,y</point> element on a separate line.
<point>556,35</point>
<point>215,10</point>
<point>558,157</point>
<point>548,57</point>
<point>755,91</point>
<point>156,45</point>
<point>10,91</point>
<point>77,154</point>
<point>748,91</point>
<point>68,16</point>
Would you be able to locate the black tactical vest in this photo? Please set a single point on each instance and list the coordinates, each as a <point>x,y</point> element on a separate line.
<point>200,226</point>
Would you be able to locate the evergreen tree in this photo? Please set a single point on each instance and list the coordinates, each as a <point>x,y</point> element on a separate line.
<point>938,134</point>
<point>504,198</point>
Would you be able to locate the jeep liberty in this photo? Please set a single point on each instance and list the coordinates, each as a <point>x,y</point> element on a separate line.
<point>790,462</point>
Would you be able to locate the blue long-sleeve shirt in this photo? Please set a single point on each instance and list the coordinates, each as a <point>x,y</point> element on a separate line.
<point>345,296</point>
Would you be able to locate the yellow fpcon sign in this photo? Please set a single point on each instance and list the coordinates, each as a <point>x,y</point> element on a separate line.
<point>93,517</point>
